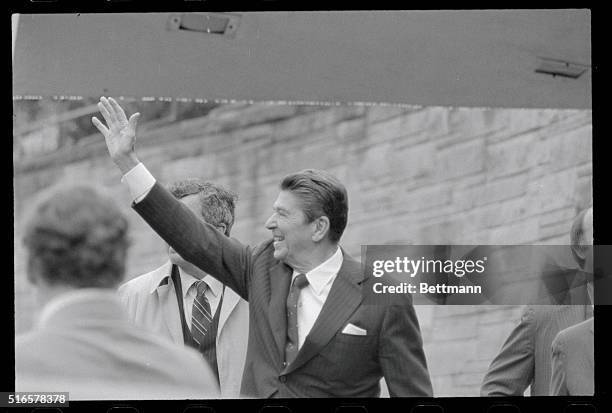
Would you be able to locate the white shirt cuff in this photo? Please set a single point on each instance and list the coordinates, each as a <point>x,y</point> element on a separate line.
<point>139,181</point>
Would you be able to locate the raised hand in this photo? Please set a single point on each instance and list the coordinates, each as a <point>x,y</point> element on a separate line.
<point>119,133</point>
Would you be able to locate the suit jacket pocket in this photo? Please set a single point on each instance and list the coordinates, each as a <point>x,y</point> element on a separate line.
<point>347,358</point>
<point>353,339</point>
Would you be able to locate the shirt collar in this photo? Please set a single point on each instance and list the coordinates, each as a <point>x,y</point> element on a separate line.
<point>324,273</point>
<point>161,276</point>
<point>187,280</point>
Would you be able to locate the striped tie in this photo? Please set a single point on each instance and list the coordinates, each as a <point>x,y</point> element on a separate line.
<point>201,318</point>
<point>292,343</point>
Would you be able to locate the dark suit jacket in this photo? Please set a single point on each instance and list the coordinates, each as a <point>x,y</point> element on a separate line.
<point>572,361</point>
<point>524,359</point>
<point>329,363</point>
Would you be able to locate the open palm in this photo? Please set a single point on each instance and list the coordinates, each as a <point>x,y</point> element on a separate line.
<point>119,131</point>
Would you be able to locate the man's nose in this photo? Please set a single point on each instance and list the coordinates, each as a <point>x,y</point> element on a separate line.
<point>271,222</point>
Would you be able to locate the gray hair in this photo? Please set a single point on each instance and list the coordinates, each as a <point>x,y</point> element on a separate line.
<point>217,203</point>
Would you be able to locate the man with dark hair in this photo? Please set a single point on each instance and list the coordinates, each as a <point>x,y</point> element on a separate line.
<point>524,359</point>
<point>83,342</point>
<point>310,334</point>
<point>166,300</point>
<point>321,194</point>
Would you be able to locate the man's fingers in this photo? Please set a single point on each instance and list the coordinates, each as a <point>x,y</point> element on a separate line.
<point>134,120</point>
<point>119,112</point>
<point>109,109</point>
<point>103,129</point>
<point>105,114</point>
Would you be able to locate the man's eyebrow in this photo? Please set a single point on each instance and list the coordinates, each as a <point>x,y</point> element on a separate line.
<point>279,208</point>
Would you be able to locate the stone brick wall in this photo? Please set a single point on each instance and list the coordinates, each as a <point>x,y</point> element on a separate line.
<point>414,175</point>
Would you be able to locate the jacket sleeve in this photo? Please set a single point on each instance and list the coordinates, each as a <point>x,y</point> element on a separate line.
<point>201,244</point>
<point>512,370</point>
<point>401,354</point>
<point>558,382</point>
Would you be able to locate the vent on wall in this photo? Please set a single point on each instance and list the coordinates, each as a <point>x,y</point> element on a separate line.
<point>556,67</point>
<point>220,24</point>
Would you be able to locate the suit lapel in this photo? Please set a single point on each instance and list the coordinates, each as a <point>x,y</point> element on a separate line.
<point>280,280</point>
<point>342,301</point>
<point>230,300</point>
<point>169,308</point>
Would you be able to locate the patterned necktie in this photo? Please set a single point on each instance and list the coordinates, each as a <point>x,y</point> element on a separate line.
<point>291,347</point>
<point>201,318</point>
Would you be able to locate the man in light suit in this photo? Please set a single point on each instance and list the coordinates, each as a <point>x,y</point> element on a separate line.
<point>163,299</point>
<point>310,334</point>
<point>83,342</point>
<point>524,359</point>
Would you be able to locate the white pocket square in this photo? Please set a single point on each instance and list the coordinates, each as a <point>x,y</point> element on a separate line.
<point>354,330</point>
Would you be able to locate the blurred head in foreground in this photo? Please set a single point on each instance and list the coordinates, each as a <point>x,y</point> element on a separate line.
<point>76,240</point>
<point>75,237</point>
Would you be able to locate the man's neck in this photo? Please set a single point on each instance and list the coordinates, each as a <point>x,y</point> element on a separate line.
<point>317,257</point>
<point>191,270</point>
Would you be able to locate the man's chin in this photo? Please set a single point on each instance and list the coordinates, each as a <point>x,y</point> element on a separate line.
<point>280,254</point>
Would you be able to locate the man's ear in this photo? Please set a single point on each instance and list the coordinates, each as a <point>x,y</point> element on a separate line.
<point>579,252</point>
<point>321,228</point>
<point>223,228</point>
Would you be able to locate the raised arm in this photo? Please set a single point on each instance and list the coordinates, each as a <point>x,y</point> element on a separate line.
<point>196,241</point>
<point>199,243</point>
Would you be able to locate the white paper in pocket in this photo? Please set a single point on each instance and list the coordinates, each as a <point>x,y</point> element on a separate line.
<point>354,330</point>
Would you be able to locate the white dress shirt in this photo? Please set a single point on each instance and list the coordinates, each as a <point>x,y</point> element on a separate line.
<point>139,181</point>
<point>313,296</point>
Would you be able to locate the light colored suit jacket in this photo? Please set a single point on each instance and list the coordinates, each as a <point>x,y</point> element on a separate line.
<point>90,349</point>
<point>151,302</point>
<point>572,361</point>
